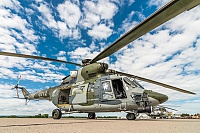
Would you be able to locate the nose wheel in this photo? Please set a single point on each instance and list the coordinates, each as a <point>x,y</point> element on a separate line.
<point>56,114</point>
<point>130,116</point>
<point>91,115</point>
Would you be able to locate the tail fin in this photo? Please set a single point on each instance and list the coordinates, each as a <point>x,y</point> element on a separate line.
<point>24,92</point>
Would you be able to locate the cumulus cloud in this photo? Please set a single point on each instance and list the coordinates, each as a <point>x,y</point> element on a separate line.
<point>100,32</point>
<point>84,53</point>
<point>16,32</point>
<point>98,18</point>
<point>69,13</point>
<point>95,14</point>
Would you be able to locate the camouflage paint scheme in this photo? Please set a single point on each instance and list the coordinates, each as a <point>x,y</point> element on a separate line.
<point>84,93</point>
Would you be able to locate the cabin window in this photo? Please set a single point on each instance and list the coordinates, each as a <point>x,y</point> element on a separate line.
<point>118,89</point>
<point>106,86</point>
<point>107,93</point>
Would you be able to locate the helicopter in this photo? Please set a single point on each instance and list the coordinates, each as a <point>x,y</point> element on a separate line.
<point>96,88</point>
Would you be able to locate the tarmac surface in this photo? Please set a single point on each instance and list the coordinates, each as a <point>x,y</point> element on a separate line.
<point>64,125</point>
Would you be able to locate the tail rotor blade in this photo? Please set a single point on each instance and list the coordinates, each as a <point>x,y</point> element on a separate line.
<point>17,92</point>
<point>26,102</point>
<point>19,78</point>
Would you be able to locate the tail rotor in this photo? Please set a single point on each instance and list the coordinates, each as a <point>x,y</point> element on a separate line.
<point>17,86</point>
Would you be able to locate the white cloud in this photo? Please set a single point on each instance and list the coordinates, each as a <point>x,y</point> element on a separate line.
<point>46,18</point>
<point>97,18</point>
<point>61,55</point>
<point>14,4</point>
<point>95,15</point>
<point>84,52</point>
<point>63,30</point>
<point>15,27</point>
<point>90,20</point>
<point>128,23</point>
<point>69,13</point>
<point>103,8</point>
<point>100,32</point>
<point>89,52</point>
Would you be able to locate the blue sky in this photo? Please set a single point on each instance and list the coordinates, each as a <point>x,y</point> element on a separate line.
<point>74,30</point>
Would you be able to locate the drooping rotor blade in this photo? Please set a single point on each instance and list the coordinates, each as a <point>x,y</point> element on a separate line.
<point>154,82</point>
<point>36,57</point>
<point>167,12</point>
<point>167,107</point>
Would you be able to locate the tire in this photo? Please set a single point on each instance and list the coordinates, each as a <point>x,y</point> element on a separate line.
<point>91,115</point>
<point>130,116</point>
<point>56,114</point>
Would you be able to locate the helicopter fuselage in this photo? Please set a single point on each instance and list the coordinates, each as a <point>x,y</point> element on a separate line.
<point>109,93</point>
<point>95,89</point>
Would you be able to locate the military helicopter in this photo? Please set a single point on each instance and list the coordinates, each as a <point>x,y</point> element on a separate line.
<point>95,88</point>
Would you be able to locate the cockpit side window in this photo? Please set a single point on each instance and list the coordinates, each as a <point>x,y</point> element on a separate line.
<point>131,83</point>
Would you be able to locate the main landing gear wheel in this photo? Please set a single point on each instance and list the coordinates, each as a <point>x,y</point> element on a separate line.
<point>130,116</point>
<point>91,115</point>
<point>56,114</point>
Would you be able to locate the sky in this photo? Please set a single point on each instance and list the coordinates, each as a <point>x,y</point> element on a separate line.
<point>75,30</point>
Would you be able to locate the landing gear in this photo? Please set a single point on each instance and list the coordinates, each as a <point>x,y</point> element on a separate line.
<point>56,114</point>
<point>91,115</point>
<point>130,116</point>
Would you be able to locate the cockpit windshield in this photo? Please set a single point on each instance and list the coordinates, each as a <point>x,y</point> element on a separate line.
<point>132,82</point>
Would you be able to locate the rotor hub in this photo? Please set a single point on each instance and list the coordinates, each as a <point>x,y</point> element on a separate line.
<point>86,62</point>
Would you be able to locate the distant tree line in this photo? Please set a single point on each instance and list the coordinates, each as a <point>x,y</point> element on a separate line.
<point>30,116</point>
<point>185,114</point>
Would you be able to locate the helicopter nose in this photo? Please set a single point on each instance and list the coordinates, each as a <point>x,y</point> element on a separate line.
<point>162,98</point>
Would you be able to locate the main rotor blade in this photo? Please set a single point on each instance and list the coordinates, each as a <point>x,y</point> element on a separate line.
<point>155,82</point>
<point>167,107</point>
<point>168,11</point>
<point>36,57</point>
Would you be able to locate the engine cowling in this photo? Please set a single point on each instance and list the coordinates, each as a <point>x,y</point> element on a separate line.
<point>92,70</point>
